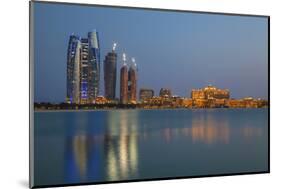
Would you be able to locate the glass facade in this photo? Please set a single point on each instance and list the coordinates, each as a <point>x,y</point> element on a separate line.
<point>93,65</point>
<point>110,71</point>
<point>73,70</point>
<point>83,69</point>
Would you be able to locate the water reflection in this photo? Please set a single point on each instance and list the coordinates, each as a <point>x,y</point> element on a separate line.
<point>122,155</point>
<point>250,131</point>
<point>202,128</point>
<point>116,149</point>
<point>80,153</point>
<point>107,148</point>
<point>207,129</point>
<point>167,133</point>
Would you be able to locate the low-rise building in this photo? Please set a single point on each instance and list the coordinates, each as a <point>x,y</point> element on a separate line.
<point>101,100</point>
<point>209,96</point>
<point>165,92</point>
<point>145,94</point>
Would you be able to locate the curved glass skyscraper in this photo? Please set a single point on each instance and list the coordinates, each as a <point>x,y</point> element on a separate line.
<point>83,69</point>
<point>93,65</point>
<point>73,70</point>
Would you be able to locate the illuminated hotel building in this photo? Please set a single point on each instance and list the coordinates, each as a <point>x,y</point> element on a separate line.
<point>209,96</point>
<point>210,92</point>
<point>132,83</point>
<point>83,69</point>
<point>110,70</point>
<point>128,82</point>
<point>197,94</point>
<point>124,82</point>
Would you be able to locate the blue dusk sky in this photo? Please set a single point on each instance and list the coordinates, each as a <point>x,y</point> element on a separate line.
<point>176,50</point>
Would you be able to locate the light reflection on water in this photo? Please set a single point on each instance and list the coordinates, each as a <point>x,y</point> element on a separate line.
<point>133,144</point>
<point>208,130</point>
<point>122,157</point>
<point>120,142</point>
<point>80,154</point>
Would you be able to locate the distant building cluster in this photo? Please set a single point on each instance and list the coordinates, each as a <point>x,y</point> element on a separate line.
<point>83,84</point>
<point>207,97</point>
<point>83,73</point>
<point>212,97</point>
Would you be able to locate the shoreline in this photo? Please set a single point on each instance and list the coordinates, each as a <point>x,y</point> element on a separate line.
<point>142,109</point>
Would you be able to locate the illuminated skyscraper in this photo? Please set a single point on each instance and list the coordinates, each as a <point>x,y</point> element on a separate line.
<point>73,70</point>
<point>93,65</point>
<point>128,82</point>
<point>83,69</point>
<point>110,69</point>
<point>124,82</point>
<point>132,82</point>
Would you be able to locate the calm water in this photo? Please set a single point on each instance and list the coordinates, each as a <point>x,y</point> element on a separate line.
<point>98,146</point>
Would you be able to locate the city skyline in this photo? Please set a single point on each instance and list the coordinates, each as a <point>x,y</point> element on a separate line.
<point>175,71</point>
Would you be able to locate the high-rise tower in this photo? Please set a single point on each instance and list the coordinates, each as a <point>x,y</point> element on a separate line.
<point>124,81</point>
<point>93,65</point>
<point>110,69</point>
<point>73,70</point>
<point>132,82</point>
<point>83,69</point>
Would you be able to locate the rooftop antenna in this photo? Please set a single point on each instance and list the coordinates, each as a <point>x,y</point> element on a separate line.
<point>134,63</point>
<point>124,59</point>
<point>114,46</point>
